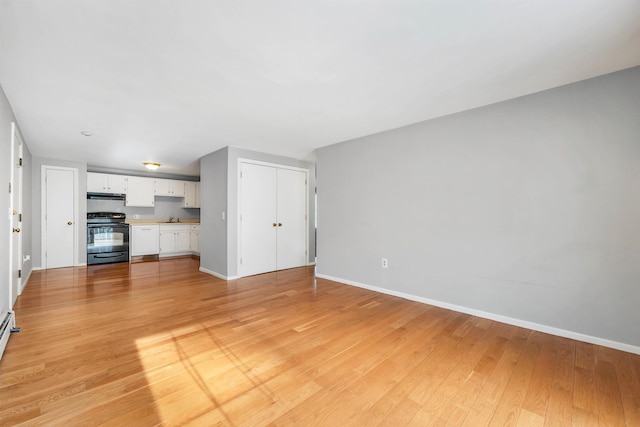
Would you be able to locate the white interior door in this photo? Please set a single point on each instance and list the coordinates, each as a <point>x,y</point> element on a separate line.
<point>59,214</point>
<point>258,222</point>
<point>16,214</point>
<point>292,218</point>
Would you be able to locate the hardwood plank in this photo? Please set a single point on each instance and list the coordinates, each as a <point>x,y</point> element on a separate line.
<point>560,406</point>
<point>159,343</point>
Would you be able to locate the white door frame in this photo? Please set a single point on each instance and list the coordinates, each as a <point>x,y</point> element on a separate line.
<point>43,209</point>
<point>16,190</point>
<point>306,207</point>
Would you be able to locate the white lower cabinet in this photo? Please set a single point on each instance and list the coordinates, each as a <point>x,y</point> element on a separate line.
<point>195,239</point>
<point>175,239</point>
<point>144,240</point>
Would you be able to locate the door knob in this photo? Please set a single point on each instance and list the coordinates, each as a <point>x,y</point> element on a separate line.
<point>16,230</point>
<point>275,225</point>
<point>279,224</point>
<point>69,223</point>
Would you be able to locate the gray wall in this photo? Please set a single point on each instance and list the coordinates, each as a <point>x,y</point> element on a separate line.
<point>527,208</point>
<point>36,200</point>
<point>219,192</point>
<point>213,202</point>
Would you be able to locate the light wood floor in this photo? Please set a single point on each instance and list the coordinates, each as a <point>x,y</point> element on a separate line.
<point>160,343</point>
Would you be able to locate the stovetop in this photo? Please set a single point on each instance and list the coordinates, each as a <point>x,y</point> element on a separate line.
<point>105,217</point>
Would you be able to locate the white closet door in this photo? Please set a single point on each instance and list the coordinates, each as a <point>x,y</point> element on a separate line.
<point>292,222</point>
<point>59,212</point>
<point>257,218</point>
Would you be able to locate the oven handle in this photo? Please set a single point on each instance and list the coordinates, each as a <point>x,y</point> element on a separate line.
<point>108,256</point>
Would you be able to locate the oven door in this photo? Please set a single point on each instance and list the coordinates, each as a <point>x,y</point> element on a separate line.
<point>103,238</point>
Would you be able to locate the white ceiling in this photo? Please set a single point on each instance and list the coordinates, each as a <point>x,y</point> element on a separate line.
<point>171,81</point>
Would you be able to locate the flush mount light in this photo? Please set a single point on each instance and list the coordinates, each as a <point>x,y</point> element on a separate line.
<point>151,165</point>
<point>86,133</point>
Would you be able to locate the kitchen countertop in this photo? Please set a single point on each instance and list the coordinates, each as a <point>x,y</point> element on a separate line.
<point>183,221</point>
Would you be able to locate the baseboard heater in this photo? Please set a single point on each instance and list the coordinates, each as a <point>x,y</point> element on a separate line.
<point>8,323</point>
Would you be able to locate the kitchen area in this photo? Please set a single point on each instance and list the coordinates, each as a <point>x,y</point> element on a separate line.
<point>132,218</point>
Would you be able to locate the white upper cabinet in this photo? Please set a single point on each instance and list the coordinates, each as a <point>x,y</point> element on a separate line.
<point>169,187</point>
<point>191,195</point>
<point>140,192</point>
<point>106,183</point>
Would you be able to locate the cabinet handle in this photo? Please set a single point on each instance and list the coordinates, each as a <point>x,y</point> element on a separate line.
<point>275,225</point>
<point>279,224</point>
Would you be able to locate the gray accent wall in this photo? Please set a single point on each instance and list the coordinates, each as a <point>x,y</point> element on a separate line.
<point>219,193</point>
<point>213,203</point>
<point>527,209</point>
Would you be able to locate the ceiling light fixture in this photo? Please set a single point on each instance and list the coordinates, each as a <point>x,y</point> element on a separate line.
<point>151,165</point>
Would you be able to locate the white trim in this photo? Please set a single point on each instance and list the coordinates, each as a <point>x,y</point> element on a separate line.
<point>218,275</point>
<point>491,316</point>
<point>16,190</point>
<point>239,205</point>
<point>43,204</point>
<point>311,263</point>
<point>23,285</point>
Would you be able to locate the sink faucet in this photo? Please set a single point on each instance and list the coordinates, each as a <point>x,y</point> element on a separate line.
<point>170,219</point>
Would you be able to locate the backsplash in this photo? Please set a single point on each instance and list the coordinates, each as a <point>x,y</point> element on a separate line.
<point>165,207</point>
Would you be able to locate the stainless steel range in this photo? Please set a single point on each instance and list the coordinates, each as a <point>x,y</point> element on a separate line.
<point>107,238</point>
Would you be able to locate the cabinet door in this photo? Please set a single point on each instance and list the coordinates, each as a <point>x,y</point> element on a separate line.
<point>183,240</point>
<point>140,192</point>
<point>177,188</point>
<point>197,195</point>
<point>195,241</point>
<point>162,187</point>
<point>189,195</point>
<point>169,188</point>
<point>97,182</point>
<point>144,240</point>
<point>117,184</point>
<point>167,241</point>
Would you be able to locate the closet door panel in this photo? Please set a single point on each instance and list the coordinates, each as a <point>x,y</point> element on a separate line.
<point>292,222</point>
<point>258,199</point>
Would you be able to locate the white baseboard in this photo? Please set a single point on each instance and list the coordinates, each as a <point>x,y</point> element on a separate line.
<point>218,275</point>
<point>24,282</point>
<point>491,316</point>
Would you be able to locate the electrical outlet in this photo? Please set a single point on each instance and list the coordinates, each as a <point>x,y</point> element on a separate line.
<point>385,263</point>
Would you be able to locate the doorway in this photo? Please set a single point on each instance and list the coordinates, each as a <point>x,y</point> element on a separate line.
<point>59,216</point>
<point>15,253</point>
